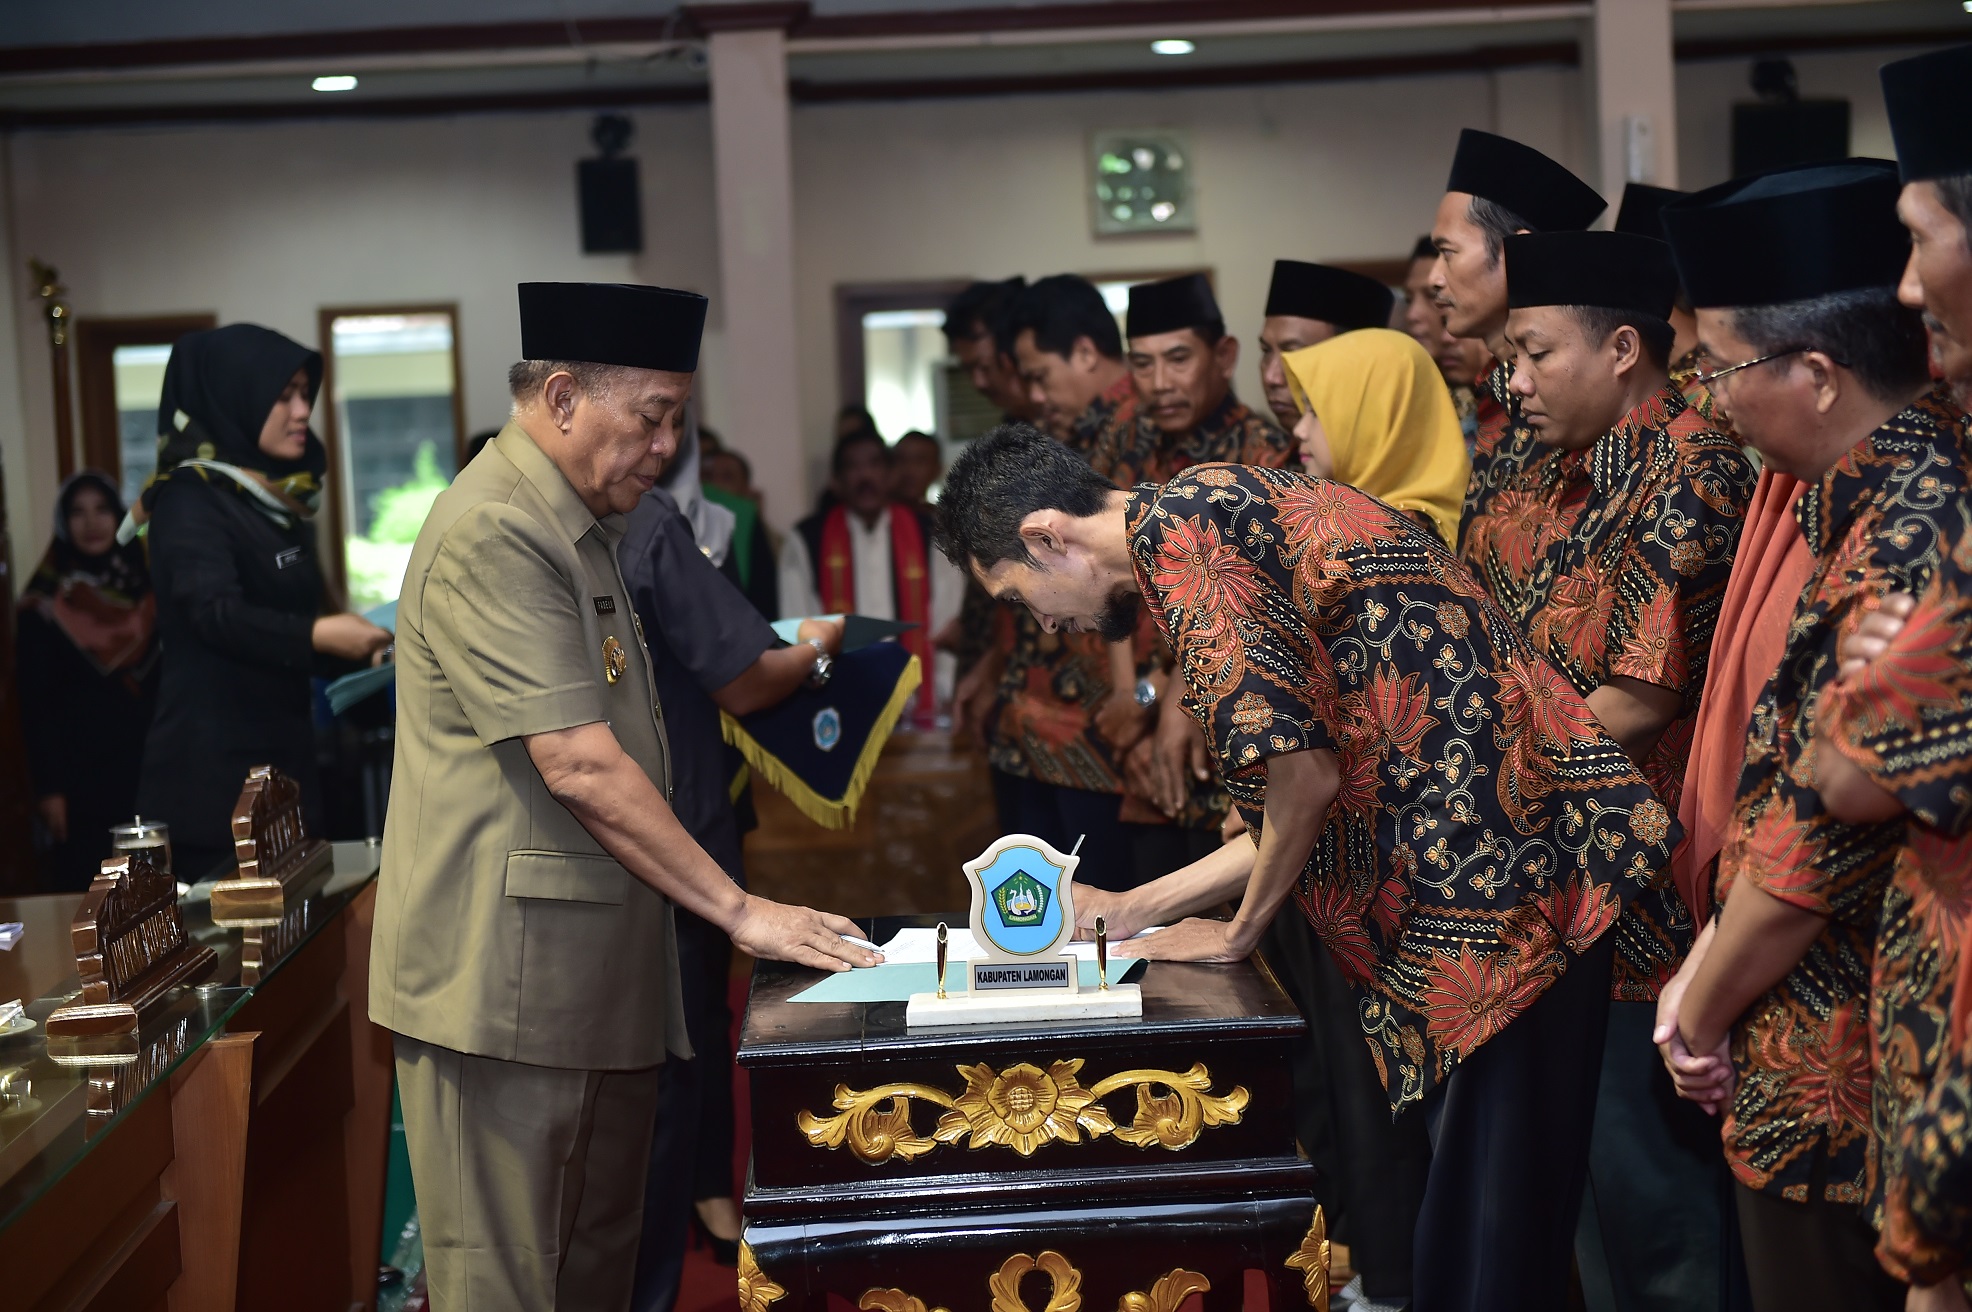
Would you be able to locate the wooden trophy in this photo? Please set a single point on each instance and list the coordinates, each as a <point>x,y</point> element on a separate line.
<point>273,849</point>
<point>130,950</point>
<point>1023,913</point>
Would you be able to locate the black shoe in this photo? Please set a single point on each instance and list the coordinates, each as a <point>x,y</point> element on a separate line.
<point>725,1252</point>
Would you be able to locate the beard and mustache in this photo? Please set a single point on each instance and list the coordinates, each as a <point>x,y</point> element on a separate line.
<point>1118,619</point>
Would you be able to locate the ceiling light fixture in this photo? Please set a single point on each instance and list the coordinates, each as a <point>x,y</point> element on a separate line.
<point>335,82</point>
<point>1180,46</point>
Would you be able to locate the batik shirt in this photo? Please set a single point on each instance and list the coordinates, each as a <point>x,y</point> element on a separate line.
<point>1485,831</point>
<point>1620,554</point>
<point>1233,434</point>
<point>1043,724</point>
<point>1927,1207</point>
<point>1502,445</point>
<point>1880,521</point>
<point>1906,721</point>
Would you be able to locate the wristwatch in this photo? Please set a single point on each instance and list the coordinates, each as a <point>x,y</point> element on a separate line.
<point>824,665</point>
<point>1146,693</point>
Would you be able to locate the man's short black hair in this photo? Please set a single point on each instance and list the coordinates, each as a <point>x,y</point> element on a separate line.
<point>1426,249</point>
<point>855,437</point>
<point>1059,311</point>
<point>1495,223</point>
<point>1656,335</point>
<point>1001,479</point>
<point>978,310</point>
<point>919,435</point>
<point>1867,331</point>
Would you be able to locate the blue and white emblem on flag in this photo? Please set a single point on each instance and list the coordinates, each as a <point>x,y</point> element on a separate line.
<point>828,728</point>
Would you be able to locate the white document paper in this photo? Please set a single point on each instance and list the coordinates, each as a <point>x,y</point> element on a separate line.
<point>921,945</point>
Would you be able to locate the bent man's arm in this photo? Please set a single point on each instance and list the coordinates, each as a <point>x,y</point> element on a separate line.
<point>778,672</point>
<point>587,771</point>
<point>1759,940</point>
<point>1300,785</point>
<point>1634,713</point>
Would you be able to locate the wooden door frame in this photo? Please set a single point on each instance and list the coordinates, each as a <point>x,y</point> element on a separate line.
<point>96,342</point>
<point>853,300</point>
<point>325,317</point>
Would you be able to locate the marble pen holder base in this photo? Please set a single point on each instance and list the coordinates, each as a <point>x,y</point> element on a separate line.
<point>928,1010</point>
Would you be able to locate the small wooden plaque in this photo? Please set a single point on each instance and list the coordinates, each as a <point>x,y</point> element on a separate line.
<point>130,950</point>
<point>273,849</point>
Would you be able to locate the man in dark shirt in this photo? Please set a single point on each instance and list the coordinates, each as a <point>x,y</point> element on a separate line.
<point>1310,303</point>
<point>1793,275</point>
<point>1457,829</point>
<point>1626,525</point>
<point>1182,361</point>
<point>710,652</point>
<point>1497,188</point>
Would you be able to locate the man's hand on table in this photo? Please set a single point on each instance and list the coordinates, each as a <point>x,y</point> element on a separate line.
<point>775,931</point>
<point>1222,941</point>
<point>1122,919</point>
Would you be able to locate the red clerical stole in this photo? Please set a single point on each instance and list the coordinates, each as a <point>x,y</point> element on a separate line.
<point>836,572</point>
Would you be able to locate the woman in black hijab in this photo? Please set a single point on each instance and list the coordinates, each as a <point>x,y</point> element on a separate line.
<point>243,612</point>
<point>88,677</point>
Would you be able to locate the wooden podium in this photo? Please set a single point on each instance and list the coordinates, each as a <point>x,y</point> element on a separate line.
<point>1128,1163</point>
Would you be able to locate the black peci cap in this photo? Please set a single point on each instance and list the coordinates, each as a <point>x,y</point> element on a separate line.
<point>1320,291</point>
<point>1930,103</point>
<point>1790,235</point>
<point>1521,179</point>
<point>615,323</point>
<point>1171,306</point>
<point>1642,210</point>
<point>1612,270</point>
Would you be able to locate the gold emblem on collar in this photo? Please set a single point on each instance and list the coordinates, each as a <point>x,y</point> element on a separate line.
<point>615,662</point>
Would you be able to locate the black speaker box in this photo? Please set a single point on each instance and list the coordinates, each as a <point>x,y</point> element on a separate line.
<point>1777,134</point>
<point>612,216</point>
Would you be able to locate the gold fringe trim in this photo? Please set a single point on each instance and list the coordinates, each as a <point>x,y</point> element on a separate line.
<point>827,812</point>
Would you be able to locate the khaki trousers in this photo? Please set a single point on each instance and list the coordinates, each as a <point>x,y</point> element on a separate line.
<point>529,1179</point>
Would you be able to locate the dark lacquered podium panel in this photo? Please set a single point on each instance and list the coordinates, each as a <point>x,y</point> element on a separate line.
<point>1095,1160</point>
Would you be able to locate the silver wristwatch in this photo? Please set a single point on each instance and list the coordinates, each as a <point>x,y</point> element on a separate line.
<point>824,664</point>
<point>1146,693</point>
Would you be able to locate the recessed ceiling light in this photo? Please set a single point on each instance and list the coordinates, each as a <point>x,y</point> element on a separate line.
<point>1180,46</point>
<point>335,82</point>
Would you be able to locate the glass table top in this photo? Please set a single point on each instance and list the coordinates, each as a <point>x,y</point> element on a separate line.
<point>55,1108</point>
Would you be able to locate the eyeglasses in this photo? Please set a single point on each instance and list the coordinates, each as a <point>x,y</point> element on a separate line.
<point>1710,379</point>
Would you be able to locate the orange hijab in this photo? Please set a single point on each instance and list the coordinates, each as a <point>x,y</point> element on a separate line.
<point>1768,573</point>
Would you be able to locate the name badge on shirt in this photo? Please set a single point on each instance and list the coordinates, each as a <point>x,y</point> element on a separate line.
<point>605,605</point>
<point>283,559</point>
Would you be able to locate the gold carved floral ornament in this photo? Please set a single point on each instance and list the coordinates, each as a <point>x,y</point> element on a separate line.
<point>756,1292</point>
<point>1064,1291</point>
<point>1311,1260</point>
<point>1023,1107</point>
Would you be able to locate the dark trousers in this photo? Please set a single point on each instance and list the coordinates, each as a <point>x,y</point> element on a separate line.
<point>1157,850</point>
<point>1509,1154</point>
<point>1061,816</point>
<point>1815,1256</point>
<point>691,1154</point>
<point>1658,1231</point>
<point>1372,1168</point>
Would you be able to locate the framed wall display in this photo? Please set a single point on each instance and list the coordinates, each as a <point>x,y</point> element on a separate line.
<point>121,365</point>
<point>1141,181</point>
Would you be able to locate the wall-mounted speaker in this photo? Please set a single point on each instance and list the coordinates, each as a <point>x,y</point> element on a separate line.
<point>612,213</point>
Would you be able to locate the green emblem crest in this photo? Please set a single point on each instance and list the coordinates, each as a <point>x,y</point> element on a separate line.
<point>1021,900</point>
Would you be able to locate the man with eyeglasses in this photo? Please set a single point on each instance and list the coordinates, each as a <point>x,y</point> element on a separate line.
<point>1890,749</point>
<point>1645,500</point>
<point>1793,275</point>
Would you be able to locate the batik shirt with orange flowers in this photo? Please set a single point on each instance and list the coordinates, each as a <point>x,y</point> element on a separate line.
<point>1906,721</point>
<point>1927,1209</point>
<point>1626,583</point>
<point>1882,520</point>
<point>1043,725</point>
<point>1486,830</point>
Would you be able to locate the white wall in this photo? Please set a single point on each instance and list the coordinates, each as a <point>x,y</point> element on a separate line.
<point>268,223</point>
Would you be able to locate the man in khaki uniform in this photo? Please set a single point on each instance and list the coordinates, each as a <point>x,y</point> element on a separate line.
<point>524,952</point>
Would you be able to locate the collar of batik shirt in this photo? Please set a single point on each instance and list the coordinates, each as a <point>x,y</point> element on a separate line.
<point>1826,509</point>
<point>1640,438</point>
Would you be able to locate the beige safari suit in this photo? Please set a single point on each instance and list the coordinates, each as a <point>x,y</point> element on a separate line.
<point>532,982</point>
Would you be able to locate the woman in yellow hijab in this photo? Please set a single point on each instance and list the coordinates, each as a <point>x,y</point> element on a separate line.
<point>1376,414</point>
